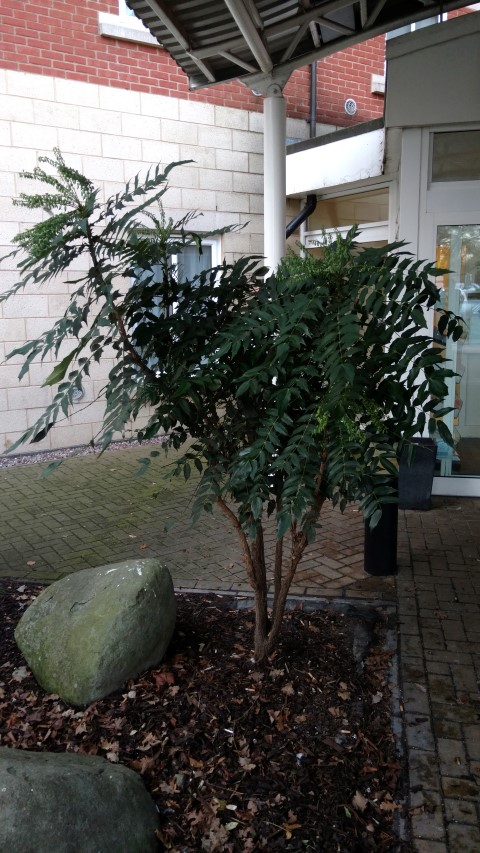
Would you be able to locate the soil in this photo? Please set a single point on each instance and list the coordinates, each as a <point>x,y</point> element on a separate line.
<point>294,755</point>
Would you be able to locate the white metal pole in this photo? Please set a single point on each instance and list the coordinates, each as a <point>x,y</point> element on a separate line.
<point>275,186</point>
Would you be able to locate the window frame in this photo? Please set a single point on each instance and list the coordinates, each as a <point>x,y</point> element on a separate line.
<point>125,25</point>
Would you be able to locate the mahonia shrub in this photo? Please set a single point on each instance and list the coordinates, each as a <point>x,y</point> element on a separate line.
<point>285,390</point>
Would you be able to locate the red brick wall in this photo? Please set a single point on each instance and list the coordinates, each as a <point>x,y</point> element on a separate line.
<point>60,38</point>
<point>348,74</point>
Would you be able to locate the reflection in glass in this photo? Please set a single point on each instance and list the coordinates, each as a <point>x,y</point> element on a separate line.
<point>458,250</point>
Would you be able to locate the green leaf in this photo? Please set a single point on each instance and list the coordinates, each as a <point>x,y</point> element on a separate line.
<point>59,371</point>
<point>42,433</point>
<point>49,469</point>
<point>445,433</point>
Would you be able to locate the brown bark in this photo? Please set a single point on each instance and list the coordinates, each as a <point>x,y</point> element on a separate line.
<point>268,629</point>
<point>247,556</point>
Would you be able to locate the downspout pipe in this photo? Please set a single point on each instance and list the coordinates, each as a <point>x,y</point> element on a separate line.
<point>311,201</point>
<point>302,215</point>
<point>313,99</point>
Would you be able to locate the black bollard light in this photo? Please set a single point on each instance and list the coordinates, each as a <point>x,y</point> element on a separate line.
<point>380,549</point>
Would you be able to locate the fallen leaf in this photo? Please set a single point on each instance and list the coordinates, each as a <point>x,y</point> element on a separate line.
<point>111,745</point>
<point>141,765</point>
<point>386,806</point>
<point>143,545</point>
<point>440,614</point>
<point>20,673</point>
<point>421,687</point>
<point>289,829</point>
<point>359,801</point>
<point>163,678</point>
<point>246,763</point>
<point>344,694</point>
<point>288,689</point>
<point>377,698</point>
<point>276,673</point>
<point>150,740</point>
<point>31,562</point>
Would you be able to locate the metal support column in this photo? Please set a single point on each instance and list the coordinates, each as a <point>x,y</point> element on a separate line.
<point>275,131</point>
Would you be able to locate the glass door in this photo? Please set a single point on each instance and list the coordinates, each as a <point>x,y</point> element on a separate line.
<point>458,251</point>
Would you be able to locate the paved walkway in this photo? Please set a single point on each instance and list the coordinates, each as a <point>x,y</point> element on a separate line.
<point>93,511</point>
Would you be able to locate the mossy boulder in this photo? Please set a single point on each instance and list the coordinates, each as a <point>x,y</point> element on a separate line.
<point>87,634</point>
<point>61,803</point>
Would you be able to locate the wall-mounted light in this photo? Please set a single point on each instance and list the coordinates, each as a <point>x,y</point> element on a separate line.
<point>77,394</point>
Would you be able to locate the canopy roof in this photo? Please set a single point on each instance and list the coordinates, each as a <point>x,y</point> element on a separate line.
<point>214,41</point>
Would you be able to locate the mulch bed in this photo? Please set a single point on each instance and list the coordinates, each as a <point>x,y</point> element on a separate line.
<point>297,755</point>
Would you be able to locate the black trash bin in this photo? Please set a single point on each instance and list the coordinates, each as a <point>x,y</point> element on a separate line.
<point>415,480</point>
<point>380,549</point>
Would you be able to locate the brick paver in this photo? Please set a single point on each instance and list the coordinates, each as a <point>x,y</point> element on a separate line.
<point>94,511</point>
<point>438,588</point>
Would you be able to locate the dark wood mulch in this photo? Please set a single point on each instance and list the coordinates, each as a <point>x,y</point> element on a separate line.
<point>298,755</point>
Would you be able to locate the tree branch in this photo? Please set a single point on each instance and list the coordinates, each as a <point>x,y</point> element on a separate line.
<point>247,556</point>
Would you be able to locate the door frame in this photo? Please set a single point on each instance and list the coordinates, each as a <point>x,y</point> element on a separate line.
<point>444,203</point>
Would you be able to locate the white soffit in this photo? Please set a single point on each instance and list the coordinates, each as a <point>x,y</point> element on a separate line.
<point>339,162</point>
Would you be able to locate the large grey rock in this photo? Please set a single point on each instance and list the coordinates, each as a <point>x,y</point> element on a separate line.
<point>87,634</point>
<point>66,803</point>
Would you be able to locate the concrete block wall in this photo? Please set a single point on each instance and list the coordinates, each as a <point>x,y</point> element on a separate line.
<point>115,107</point>
<point>111,135</point>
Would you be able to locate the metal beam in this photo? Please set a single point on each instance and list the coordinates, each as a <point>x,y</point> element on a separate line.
<point>177,31</point>
<point>237,61</point>
<point>374,15</point>
<point>250,33</point>
<point>363,13</point>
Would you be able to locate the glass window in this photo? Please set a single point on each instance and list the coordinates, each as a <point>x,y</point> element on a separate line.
<point>124,25</point>
<point>418,25</point>
<point>458,253</point>
<point>123,9</point>
<point>456,156</point>
<point>187,264</point>
<point>190,263</point>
